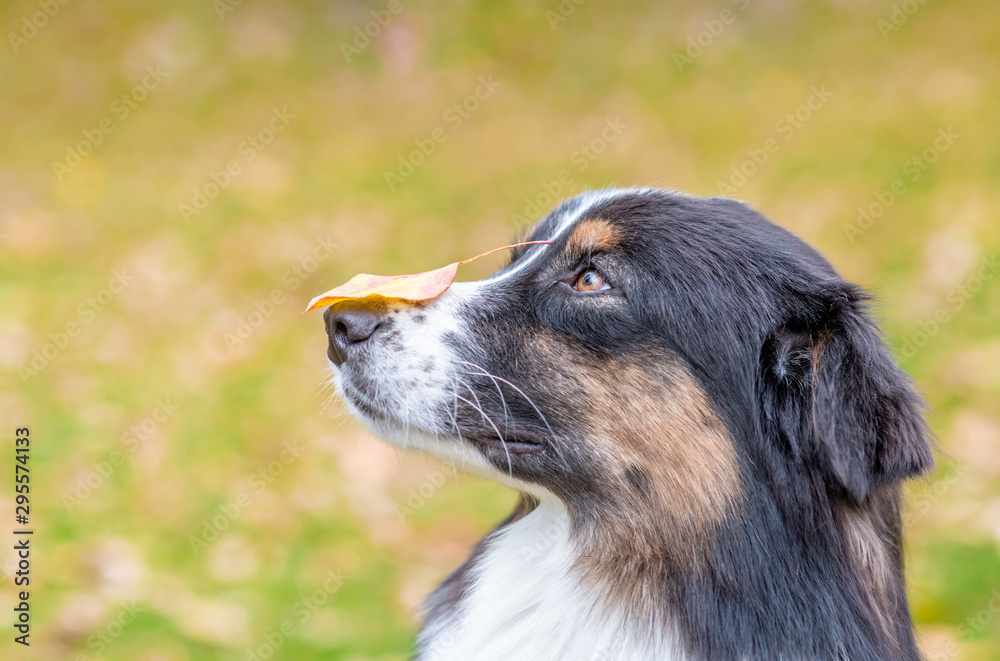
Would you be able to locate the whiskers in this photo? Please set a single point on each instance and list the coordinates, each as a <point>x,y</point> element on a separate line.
<point>477,405</point>
<point>497,380</point>
<point>427,416</point>
<point>329,391</point>
<point>508,417</point>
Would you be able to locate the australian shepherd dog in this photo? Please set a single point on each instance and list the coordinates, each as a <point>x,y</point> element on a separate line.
<point>705,428</point>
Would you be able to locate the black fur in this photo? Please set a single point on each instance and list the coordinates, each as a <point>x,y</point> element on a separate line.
<point>825,425</point>
<point>788,353</point>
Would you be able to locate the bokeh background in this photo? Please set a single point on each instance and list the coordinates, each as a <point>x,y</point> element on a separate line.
<point>177,179</point>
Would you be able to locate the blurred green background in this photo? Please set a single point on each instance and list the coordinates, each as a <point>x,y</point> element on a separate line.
<point>177,179</point>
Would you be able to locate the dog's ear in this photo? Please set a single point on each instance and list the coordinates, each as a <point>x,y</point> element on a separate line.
<point>833,396</point>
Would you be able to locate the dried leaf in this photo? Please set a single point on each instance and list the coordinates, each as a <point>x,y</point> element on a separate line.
<point>417,287</point>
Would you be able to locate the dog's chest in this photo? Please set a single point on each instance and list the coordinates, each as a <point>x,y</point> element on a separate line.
<point>524,601</point>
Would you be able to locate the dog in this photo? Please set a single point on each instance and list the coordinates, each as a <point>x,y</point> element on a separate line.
<point>707,432</point>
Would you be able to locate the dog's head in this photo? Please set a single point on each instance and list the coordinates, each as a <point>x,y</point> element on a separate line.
<point>663,352</point>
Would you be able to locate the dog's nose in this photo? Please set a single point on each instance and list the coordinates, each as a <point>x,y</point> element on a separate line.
<point>349,324</point>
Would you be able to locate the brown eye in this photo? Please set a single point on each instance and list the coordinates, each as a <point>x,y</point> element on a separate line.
<point>590,280</point>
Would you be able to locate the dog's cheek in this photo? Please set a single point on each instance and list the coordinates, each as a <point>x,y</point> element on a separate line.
<point>649,431</point>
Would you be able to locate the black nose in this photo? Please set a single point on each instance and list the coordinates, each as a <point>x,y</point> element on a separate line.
<point>349,324</point>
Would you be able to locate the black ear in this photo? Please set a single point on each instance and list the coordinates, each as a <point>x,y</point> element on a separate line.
<point>833,395</point>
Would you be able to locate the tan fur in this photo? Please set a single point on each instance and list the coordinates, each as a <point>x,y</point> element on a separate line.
<point>868,547</point>
<point>871,558</point>
<point>647,415</point>
<point>592,235</point>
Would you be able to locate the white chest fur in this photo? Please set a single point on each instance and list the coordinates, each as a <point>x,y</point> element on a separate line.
<point>525,601</point>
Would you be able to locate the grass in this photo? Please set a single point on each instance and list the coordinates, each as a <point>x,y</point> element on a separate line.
<point>193,325</point>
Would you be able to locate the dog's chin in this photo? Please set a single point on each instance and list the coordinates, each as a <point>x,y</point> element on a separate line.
<point>481,454</point>
<point>468,454</point>
<point>408,436</point>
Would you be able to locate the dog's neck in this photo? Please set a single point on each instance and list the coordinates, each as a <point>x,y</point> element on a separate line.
<point>523,595</point>
<point>540,586</point>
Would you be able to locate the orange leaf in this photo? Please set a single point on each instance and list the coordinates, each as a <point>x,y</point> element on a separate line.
<point>417,287</point>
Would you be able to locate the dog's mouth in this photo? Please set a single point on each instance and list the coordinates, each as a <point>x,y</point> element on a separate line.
<point>490,441</point>
<point>521,442</point>
<point>362,403</point>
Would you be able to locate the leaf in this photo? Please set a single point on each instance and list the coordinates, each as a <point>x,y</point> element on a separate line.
<point>417,287</point>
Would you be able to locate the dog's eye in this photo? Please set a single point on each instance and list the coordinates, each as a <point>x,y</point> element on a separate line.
<point>591,280</point>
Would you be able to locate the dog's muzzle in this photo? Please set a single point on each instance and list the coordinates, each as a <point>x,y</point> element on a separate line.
<point>349,325</point>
